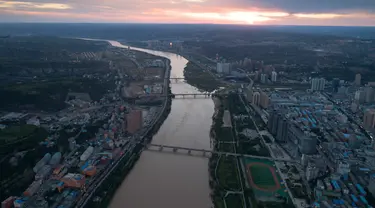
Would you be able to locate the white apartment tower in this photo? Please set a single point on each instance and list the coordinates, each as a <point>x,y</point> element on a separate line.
<point>256,98</point>
<point>263,78</point>
<point>223,68</point>
<point>318,84</point>
<point>360,96</point>
<point>274,76</point>
<point>358,79</point>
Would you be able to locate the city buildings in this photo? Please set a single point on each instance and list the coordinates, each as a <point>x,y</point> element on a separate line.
<point>263,78</point>
<point>39,165</point>
<point>369,94</point>
<point>343,168</point>
<point>248,93</point>
<point>282,129</point>
<point>371,185</point>
<point>360,96</point>
<point>312,172</point>
<point>72,180</point>
<point>342,90</point>
<point>72,143</point>
<point>226,119</point>
<point>335,85</point>
<point>223,68</point>
<point>134,121</point>
<point>369,118</point>
<point>264,100</point>
<point>33,188</point>
<point>256,98</point>
<point>274,76</point>
<point>358,79</point>
<point>307,143</point>
<point>318,84</point>
<point>87,153</point>
<point>278,126</point>
<point>354,107</point>
<point>8,203</point>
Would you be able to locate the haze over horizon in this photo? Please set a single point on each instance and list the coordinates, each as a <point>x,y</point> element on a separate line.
<point>257,12</point>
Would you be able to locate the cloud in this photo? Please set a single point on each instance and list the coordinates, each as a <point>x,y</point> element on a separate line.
<point>318,16</point>
<point>32,5</point>
<point>321,12</point>
<point>313,6</point>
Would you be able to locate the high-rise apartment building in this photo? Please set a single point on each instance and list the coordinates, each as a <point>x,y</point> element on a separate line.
<point>360,96</point>
<point>371,185</point>
<point>342,90</point>
<point>264,100</point>
<point>134,121</point>
<point>256,98</point>
<point>306,141</point>
<point>223,68</point>
<point>307,144</point>
<point>263,78</point>
<point>282,130</point>
<point>274,76</point>
<point>358,79</point>
<point>335,85</point>
<point>318,84</point>
<point>278,126</point>
<point>343,168</point>
<point>248,92</point>
<point>312,172</point>
<point>369,94</point>
<point>369,119</point>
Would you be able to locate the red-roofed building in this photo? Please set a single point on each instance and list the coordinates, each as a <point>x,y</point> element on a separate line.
<point>134,121</point>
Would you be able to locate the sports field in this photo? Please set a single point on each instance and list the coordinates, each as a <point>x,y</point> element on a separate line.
<point>263,178</point>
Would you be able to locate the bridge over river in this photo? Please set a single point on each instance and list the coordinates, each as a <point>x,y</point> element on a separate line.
<point>196,95</point>
<point>206,152</point>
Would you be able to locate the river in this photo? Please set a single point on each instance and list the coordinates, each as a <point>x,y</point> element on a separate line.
<point>168,180</point>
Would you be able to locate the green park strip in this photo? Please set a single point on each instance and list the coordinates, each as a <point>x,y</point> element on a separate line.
<point>200,78</point>
<point>227,174</point>
<point>13,133</point>
<point>225,181</point>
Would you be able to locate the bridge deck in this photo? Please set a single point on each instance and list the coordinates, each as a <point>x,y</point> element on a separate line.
<point>218,152</point>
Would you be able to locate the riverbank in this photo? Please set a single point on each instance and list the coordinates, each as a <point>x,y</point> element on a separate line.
<point>235,179</point>
<point>224,176</point>
<point>194,74</point>
<point>200,78</point>
<point>104,194</point>
<point>161,178</point>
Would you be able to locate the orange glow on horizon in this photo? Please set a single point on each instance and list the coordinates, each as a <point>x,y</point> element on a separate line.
<point>171,11</point>
<point>318,16</point>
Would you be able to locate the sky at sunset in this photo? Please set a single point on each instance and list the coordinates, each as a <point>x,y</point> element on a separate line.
<point>257,12</point>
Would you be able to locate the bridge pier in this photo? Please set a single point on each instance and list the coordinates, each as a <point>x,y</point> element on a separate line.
<point>175,149</point>
<point>161,148</point>
<point>189,152</point>
<point>204,153</point>
<point>195,95</point>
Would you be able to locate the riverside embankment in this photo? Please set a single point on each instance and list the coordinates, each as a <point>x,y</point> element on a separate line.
<point>172,180</point>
